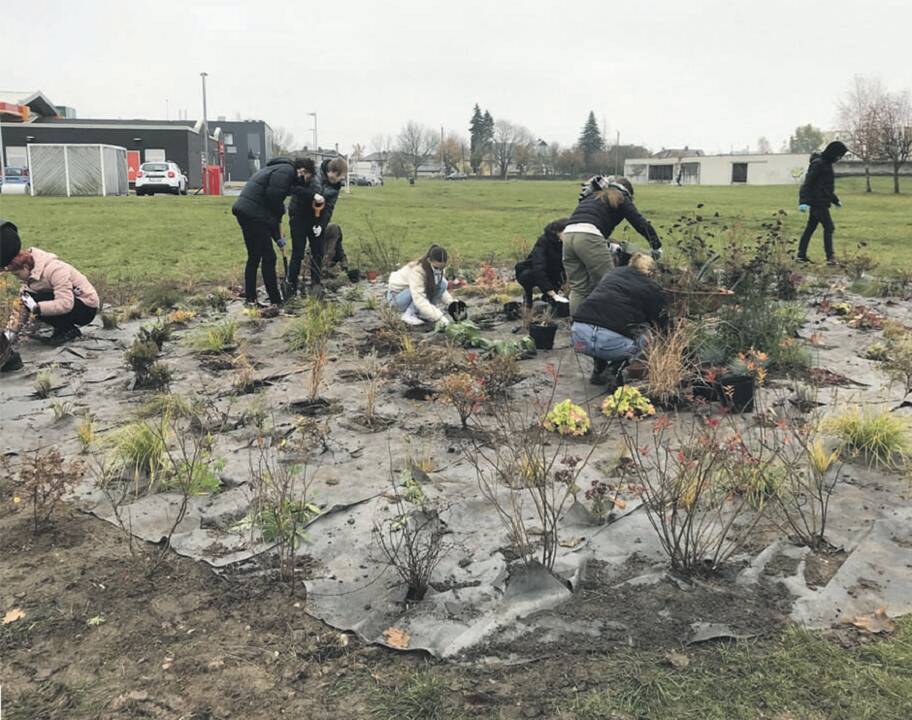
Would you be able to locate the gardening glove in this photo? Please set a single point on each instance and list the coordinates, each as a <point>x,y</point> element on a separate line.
<point>319,199</point>
<point>557,297</point>
<point>28,301</point>
<point>656,253</point>
<point>838,203</point>
<point>803,207</point>
<point>280,241</point>
<point>317,231</point>
<point>9,335</point>
<point>441,324</point>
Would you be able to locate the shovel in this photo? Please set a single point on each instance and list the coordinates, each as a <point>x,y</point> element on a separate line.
<point>6,349</point>
<point>286,286</point>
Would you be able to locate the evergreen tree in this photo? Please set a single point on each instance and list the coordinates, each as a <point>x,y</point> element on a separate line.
<point>590,140</point>
<point>476,139</point>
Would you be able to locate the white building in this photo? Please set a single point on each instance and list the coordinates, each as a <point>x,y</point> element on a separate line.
<point>746,169</point>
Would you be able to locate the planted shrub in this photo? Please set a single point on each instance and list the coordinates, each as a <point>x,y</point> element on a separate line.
<point>215,339</point>
<point>44,383</point>
<point>464,393</point>
<point>669,363</point>
<point>566,418</point>
<point>880,438</point>
<point>627,402</point>
<point>43,480</point>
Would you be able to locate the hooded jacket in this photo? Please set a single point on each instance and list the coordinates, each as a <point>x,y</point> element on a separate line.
<point>301,210</point>
<point>607,209</point>
<point>546,263</point>
<point>818,188</point>
<point>624,300</point>
<point>263,198</point>
<point>67,283</point>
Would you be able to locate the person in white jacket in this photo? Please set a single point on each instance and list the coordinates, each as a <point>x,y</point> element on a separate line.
<point>419,287</point>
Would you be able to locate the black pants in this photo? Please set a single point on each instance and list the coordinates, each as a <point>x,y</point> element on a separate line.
<point>818,216</point>
<point>258,239</point>
<point>301,234</point>
<point>526,277</point>
<point>79,314</point>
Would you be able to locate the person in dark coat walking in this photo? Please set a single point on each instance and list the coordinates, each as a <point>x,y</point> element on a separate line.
<point>815,197</point>
<point>309,220</point>
<point>544,268</point>
<point>586,254</point>
<point>259,211</point>
<point>611,325</point>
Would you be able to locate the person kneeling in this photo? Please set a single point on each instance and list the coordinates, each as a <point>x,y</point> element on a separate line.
<point>53,291</point>
<point>419,287</point>
<point>544,268</point>
<point>611,324</point>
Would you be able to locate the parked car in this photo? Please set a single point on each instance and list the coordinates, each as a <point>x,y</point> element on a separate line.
<point>154,177</point>
<point>14,177</point>
<point>363,180</point>
<point>457,176</point>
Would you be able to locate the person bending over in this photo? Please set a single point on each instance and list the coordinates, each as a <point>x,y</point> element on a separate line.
<point>544,268</point>
<point>815,197</point>
<point>309,218</point>
<point>418,287</point>
<point>586,254</point>
<point>53,292</point>
<point>259,212</point>
<point>612,324</point>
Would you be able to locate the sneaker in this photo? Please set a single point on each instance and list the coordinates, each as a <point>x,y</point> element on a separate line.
<point>833,262</point>
<point>598,376</point>
<point>410,317</point>
<point>804,259</point>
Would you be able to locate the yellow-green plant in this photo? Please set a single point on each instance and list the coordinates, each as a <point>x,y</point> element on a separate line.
<point>881,438</point>
<point>217,338</point>
<point>44,383</point>
<point>140,449</point>
<point>627,402</point>
<point>566,418</point>
<point>85,432</point>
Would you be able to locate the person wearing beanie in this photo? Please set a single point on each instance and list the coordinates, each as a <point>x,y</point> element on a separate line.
<point>53,292</point>
<point>816,195</point>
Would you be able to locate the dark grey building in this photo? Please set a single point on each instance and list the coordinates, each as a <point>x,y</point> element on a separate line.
<point>248,146</point>
<point>180,141</point>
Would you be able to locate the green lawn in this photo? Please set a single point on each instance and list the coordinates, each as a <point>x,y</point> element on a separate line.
<point>139,240</point>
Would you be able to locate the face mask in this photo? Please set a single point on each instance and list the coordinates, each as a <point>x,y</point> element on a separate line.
<point>438,274</point>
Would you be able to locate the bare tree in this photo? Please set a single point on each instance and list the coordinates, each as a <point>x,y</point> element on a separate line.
<point>415,145</point>
<point>282,141</point>
<point>858,118</point>
<point>896,131</point>
<point>382,145</point>
<point>357,152</point>
<point>451,152</point>
<point>525,154</point>
<point>506,138</point>
<point>763,146</point>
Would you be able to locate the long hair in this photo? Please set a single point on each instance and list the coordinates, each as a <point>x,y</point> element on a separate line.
<point>22,260</point>
<point>614,194</point>
<point>437,254</point>
<point>554,228</point>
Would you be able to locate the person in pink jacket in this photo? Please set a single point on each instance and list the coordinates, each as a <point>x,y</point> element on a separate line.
<point>53,291</point>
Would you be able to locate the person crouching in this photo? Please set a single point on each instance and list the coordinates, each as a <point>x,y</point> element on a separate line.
<point>52,291</point>
<point>544,268</point>
<point>612,324</point>
<point>418,287</point>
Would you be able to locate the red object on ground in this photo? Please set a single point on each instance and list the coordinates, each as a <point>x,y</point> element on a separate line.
<point>212,180</point>
<point>132,166</point>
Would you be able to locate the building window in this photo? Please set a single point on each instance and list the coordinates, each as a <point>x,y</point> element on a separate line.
<point>155,155</point>
<point>739,172</point>
<point>253,143</point>
<point>661,173</point>
<point>231,150</point>
<point>229,138</point>
<point>16,156</point>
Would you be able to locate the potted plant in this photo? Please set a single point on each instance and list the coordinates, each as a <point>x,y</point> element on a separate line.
<point>371,275</point>
<point>736,387</point>
<point>542,329</point>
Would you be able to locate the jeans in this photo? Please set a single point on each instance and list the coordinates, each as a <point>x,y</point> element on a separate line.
<point>818,216</point>
<point>301,234</point>
<point>80,314</point>
<point>403,299</point>
<point>586,259</point>
<point>604,344</point>
<point>258,239</point>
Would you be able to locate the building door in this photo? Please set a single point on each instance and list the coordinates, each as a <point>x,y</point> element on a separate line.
<point>739,172</point>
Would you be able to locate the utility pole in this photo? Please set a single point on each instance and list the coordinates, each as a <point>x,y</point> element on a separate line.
<point>205,162</point>
<point>617,153</point>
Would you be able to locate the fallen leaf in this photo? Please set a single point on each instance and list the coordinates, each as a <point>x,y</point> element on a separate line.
<point>95,621</point>
<point>397,638</point>
<point>13,615</point>
<point>677,660</point>
<point>619,504</point>
<point>875,623</point>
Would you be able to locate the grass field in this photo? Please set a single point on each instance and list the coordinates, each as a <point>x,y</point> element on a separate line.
<point>139,240</point>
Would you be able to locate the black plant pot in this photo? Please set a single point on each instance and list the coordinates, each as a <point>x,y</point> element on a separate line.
<point>736,392</point>
<point>458,310</point>
<point>354,275</point>
<point>560,309</point>
<point>703,390</point>
<point>543,335</point>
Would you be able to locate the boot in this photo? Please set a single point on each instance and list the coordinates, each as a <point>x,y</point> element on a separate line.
<point>13,363</point>
<point>598,376</point>
<point>61,337</point>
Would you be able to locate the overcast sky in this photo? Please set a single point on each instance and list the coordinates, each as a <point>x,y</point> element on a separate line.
<point>713,74</point>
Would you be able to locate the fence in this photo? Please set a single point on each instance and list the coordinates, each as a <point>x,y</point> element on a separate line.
<point>76,169</point>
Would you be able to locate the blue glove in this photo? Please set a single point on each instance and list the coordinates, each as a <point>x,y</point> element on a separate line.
<point>804,208</point>
<point>280,242</point>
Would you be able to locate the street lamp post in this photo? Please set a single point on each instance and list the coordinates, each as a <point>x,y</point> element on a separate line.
<point>205,162</point>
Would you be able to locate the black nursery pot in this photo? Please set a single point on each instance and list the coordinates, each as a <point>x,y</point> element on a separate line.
<point>543,335</point>
<point>354,275</point>
<point>736,392</point>
<point>560,309</point>
<point>703,390</point>
<point>512,310</point>
<point>458,310</point>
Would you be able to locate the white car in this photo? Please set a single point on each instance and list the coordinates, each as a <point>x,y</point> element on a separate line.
<point>156,177</point>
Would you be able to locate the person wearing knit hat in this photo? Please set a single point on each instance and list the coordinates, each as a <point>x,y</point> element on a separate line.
<point>10,244</point>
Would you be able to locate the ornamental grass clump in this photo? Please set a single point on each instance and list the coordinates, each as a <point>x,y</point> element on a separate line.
<point>881,438</point>
<point>566,418</point>
<point>627,402</point>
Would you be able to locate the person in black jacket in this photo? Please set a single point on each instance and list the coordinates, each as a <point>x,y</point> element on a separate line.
<point>586,254</point>
<point>544,268</point>
<point>259,211</point>
<point>309,219</point>
<point>816,195</point>
<point>611,324</point>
